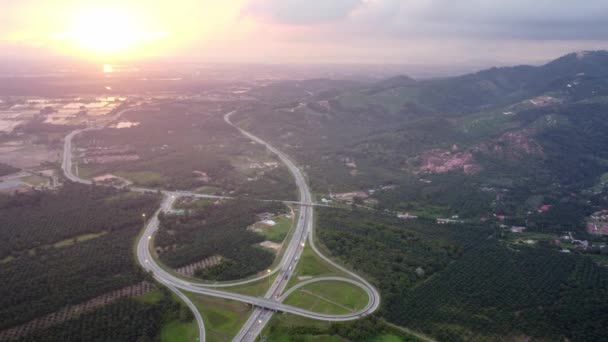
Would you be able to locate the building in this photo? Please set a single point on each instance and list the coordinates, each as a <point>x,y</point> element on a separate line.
<point>269,223</point>
<point>515,229</point>
<point>448,221</point>
<point>265,216</point>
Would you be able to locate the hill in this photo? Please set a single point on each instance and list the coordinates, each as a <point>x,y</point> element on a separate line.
<point>521,147</point>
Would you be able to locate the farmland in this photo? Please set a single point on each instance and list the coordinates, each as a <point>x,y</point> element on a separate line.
<point>66,253</point>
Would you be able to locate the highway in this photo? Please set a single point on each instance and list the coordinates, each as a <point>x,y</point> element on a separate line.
<point>66,165</point>
<point>304,231</point>
<point>271,302</point>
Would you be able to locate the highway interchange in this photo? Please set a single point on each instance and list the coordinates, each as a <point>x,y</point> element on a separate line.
<point>265,306</point>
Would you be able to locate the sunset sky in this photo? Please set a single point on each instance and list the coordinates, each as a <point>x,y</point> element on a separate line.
<point>303,31</point>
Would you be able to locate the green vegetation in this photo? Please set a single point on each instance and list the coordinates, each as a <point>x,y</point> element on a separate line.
<point>217,230</point>
<point>185,146</point>
<point>7,259</point>
<point>522,146</point>
<point>513,237</point>
<point>330,297</point>
<point>387,338</point>
<point>143,178</point>
<point>395,254</point>
<point>538,164</point>
<point>288,327</point>
<point>311,265</point>
<point>473,146</point>
<point>124,320</point>
<point>188,203</point>
<point>276,184</point>
<point>209,190</point>
<point>495,291</point>
<point>43,218</point>
<point>40,278</point>
<point>223,318</point>
<point>150,297</point>
<point>278,232</point>
<point>180,326</point>
<point>179,331</point>
<point>35,180</point>
<point>256,288</point>
<point>454,283</point>
<point>80,238</point>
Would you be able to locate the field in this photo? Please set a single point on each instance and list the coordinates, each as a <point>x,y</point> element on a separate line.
<point>330,297</point>
<point>74,244</point>
<point>156,315</point>
<point>179,331</point>
<point>180,327</point>
<point>77,239</point>
<point>143,178</point>
<point>185,146</point>
<point>278,232</point>
<point>496,291</point>
<point>256,288</point>
<point>310,265</point>
<point>223,318</point>
<point>36,180</point>
<point>288,327</point>
<point>387,338</point>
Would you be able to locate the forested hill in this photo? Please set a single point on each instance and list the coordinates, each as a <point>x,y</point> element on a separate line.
<point>492,87</point>
<point>501,141</point>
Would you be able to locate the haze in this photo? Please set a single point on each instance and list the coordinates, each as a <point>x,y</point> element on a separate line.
<point>303,170</point>
<point>430,32</point>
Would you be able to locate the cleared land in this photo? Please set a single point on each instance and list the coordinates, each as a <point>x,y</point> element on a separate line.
<point>278,232</point>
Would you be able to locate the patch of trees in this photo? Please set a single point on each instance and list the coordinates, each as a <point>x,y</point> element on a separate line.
<point>125,320</point>
<point>276,184</point>
<point>452,194</point>
<point>394,253</point>
<point>6,169</point>
<point>37,219</point>
<point>495,291</point>
<point>180,139</point>
<point>39,127</point>
<point>366,329</point>
<point>45,133</point>
<point>479,288</point>
<point>217,230</point>
<point>34,285</point>
<point>570,137</point>
<point>43,278</point>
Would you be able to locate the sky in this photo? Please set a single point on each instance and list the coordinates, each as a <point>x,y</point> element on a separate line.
<point>428,32</point>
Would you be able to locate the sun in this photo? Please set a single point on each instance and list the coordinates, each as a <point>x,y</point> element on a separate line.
<point>108,32</point>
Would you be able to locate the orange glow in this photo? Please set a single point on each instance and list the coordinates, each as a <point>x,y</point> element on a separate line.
<point>116,31</point>
<point>108,69</point>
<point>106,32</point>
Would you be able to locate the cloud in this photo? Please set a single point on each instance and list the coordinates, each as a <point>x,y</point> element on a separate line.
<point>302,12</point>
<point>367,31</point>
<point>498,19</point>
<point>521,19</point>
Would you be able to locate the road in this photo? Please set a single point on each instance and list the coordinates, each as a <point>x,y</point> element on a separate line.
<point>66,165</point>
<point>304,231</point>
<point>271,302</point>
